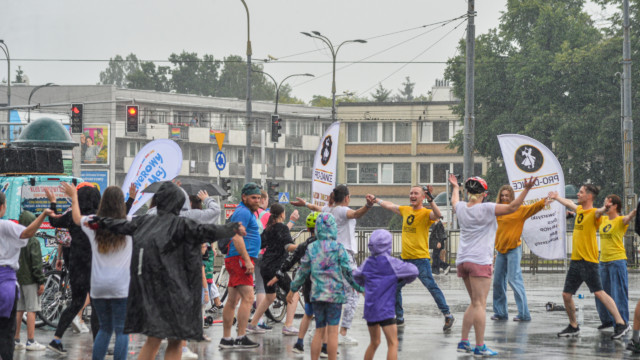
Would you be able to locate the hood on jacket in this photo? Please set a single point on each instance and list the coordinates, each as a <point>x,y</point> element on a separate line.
<point>26,218</point>
<point>326,228</point>
<point>169,199</point>
<point>187,203</point>
<point>380,242</point>
<point>89,200</point>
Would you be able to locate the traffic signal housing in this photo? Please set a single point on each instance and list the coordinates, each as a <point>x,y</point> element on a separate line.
<point>276,126</point>
<point>272,191</point>
<point>132,118</point>
<point>76,118</point>
<point>226,186</point>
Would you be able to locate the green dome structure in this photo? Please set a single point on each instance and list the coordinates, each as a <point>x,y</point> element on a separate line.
<point>45,133</point>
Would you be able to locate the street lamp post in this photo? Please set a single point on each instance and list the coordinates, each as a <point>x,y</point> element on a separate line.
<point>248,172</point>
<point>334,54</point>
<point>31,94</point>
<point>5,49</point>
<point>278,86</point>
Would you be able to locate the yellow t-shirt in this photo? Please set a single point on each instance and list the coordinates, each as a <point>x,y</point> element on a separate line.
<point>415,232</point>
<point>585,244</point>
<point>510,226</point>
<point>611,239</point>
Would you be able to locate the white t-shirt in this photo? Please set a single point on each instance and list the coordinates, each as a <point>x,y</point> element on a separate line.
<point>478,227</point>
<point>346,227</point>
<point>10,243</point>
<point>109,272</point>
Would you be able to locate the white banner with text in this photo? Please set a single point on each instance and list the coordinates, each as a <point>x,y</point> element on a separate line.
<point>323,179</point>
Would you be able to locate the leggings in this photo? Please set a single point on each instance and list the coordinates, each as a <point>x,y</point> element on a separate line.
<point>79,291</point>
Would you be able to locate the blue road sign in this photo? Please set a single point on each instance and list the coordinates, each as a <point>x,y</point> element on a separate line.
<point>284,198</point>
<point>221,160</point>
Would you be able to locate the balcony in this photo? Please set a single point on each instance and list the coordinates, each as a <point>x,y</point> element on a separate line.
<point>178,132</point>
<point>236,169</point>
<point>306,172</point>
<point>199,168</point>
<point>120,163</point>
<point>293,141</point>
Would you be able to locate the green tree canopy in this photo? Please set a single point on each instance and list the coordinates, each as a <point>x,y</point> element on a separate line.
<point>381,94</point>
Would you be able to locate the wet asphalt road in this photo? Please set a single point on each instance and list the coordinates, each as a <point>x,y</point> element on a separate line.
<point>422,337</point>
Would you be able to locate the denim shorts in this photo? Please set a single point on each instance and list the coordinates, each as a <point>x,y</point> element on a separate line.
<point>308,309</point>
<point>326,313</point>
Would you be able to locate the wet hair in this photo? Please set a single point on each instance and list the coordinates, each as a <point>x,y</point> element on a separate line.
<point>112,205</point>
<point>591,189</point>
<point>276,210</point>
<point>615,200</point>
<point>340,193</point>
<point>196,203</point>
<point>512,195</point>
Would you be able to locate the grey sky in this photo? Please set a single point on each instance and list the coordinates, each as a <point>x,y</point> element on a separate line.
<point>73,29</point>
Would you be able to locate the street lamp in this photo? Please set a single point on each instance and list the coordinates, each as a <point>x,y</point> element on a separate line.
<point>278,86</point>
<point>5,49</point>
<point>334,54</point>
<point>248,172</point>
<point>31,94</point>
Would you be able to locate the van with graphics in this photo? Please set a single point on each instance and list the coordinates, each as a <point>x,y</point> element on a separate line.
<point>26,192</point>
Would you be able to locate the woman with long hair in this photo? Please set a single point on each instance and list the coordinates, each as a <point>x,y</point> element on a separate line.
<point>478,225</point>
<point>111,255</point>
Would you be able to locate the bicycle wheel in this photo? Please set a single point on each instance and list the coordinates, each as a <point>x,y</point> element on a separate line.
<point>278,309</point>
<point>55,297</point>
<point>39,321</point>
<point>222,282</point>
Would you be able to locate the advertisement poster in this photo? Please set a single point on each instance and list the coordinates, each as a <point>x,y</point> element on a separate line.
<point>99,178</point>
<point>94,144</point>
<point>323,179</point>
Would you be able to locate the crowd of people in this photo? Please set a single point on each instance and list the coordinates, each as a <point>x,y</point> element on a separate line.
<point>122,265</point>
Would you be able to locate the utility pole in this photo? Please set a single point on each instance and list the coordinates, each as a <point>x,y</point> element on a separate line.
<point>627,125</point>
<point>469,117</point>
<point>248,157</point>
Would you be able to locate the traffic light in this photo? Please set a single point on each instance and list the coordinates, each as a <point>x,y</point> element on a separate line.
<point>132,118</point>
<point>272,191</point>
<point>276,126</point>
<point>226,186</point>
<point>76,118</point>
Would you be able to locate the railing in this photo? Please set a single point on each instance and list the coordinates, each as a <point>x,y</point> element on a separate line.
<point>236,170</point>
<point>292,141</point>
<point>178,132</point>
<point>199,168</point>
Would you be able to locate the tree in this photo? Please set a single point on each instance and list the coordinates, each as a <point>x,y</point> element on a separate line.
<point>20,76</point>
<point>117,70</point>
<point>406,92</point>
<point>233,81</point>
<point>381,94</point>
<point>321,101</point>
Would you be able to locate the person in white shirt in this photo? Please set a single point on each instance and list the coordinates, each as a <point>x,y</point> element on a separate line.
<point>474,260</point>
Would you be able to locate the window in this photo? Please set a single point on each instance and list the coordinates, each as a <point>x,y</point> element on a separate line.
<point>368,173</point>
<point>425,173</point>
<point>369,132</point>
<point>458,168</point>
<point>402,173</point>
<point>440,173</point>
<point>240,156</point>
<point>387,174</point>
<point>132,148</point>
<point>352,132</point>
<point>403,132</point>
<point>387,132</point>
<point>352,173</point>
<point>440,131</point>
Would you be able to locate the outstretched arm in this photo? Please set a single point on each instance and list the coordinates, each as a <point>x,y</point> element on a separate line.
<point>455,196</point>
<point>388,205</point>
<point>300,202</point>
<point>30,231</point>
<point>627,219</point>
<point>502,209</point>
<point>566,202</point>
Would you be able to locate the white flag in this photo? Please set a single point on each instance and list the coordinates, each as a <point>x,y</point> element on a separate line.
<point>323,179</point>
<point>544,232</point>
<point>159,160</point>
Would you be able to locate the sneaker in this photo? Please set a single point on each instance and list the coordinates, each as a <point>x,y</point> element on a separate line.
<point>605,326</point>
<point>447,269</point>
<point>83,328</point>
<point>18,345</point>
<point>464,346</point>
<point>206,338</point>
<point>400,322</point>
<point>254,329</point>
<point>298,349</point>
<point>245,343</point>
<point>448,323</point>
<point>484,351</point>
<point>620,330</point>
<point>518,318</point>
<point>569,331</point>
<point>56,345</point>
<point>34,346</point>
<point>290,330</point>
<point>634,346</point>
<point>75,325</point>
<point>346,340</point>
<point>498,318</point>
<point>226,344</point>
<point>264,326</point>
<point>324,354</point>
<point>187,354</point>
<point>109,354</point>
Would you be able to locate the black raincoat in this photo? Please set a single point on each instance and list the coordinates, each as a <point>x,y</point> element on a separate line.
<point>165,291</point>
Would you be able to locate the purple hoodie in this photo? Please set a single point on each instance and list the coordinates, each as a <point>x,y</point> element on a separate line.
<point>379,274</point>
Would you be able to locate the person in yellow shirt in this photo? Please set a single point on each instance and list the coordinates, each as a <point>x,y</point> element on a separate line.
<point>584,265</point>
<point>613,258</point>
<point>416,220</point>
<point>509,253</point>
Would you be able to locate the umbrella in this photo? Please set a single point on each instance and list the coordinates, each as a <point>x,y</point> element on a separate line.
<point>191,187</point>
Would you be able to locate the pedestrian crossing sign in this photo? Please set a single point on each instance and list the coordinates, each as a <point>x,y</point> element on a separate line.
<point>284,198</point>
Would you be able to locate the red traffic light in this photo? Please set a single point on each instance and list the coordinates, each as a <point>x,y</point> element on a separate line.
<point>132,110</point>
<point>75,110</point>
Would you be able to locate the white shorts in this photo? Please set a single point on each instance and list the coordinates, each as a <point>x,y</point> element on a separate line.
<point>29,300</point>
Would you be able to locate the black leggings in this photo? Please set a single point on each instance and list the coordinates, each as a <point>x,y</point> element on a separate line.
<point>79,291</point>
<point>7,332</point>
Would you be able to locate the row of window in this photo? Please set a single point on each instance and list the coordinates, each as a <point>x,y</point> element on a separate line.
<point>395,132</point>
<point>400,173</point>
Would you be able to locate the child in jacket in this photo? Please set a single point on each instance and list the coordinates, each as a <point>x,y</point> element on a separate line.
<point>327,263</point>
<point>379,274</point>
